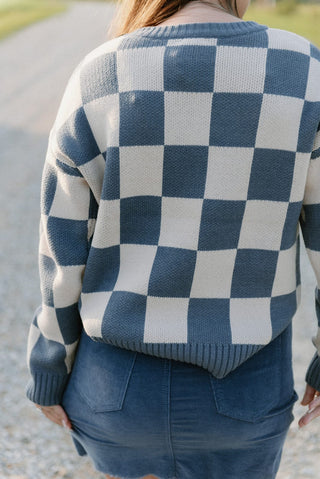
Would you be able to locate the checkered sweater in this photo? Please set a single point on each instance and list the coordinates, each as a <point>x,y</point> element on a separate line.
<point>181,162</point>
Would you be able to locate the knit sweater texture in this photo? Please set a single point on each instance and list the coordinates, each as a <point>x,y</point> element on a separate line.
<point>182,167</point>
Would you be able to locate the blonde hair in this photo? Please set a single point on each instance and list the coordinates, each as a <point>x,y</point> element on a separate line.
<point>133,14</point>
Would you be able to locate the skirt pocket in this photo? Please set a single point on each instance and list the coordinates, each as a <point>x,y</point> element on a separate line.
<point>101,374</point>
<point>261,387</point>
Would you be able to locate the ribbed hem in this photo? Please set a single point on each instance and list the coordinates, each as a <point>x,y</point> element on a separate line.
<point>218,359</point>
<point>313,372</point>
<point>207,29</point>
<point>46,389</point>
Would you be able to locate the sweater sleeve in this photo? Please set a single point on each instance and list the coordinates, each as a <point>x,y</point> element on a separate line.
<point>65,232</point>
<point>310,227</point>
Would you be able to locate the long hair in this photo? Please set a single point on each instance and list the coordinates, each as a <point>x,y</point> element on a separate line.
<point>133,14</point>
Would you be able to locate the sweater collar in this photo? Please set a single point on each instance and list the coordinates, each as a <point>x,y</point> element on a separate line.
<point>205,29</point>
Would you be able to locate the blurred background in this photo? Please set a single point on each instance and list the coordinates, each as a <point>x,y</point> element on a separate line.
<point>299,16</point>
<point>41,42</point>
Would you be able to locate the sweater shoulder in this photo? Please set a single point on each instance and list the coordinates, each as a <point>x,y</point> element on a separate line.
<point>98,70</point>
<point>110,47</point>
<point>286,40</point>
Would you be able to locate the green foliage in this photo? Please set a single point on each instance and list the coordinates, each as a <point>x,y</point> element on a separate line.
<point>286,7</point>
<point>304,20</point>
<point>16,14</point>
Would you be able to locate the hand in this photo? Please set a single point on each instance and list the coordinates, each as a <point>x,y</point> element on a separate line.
<point>56,414</point>
<point>311,397</point>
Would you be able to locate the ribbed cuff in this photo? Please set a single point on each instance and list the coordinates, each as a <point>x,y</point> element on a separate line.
<point>313,372</point>
<point>46,389</point>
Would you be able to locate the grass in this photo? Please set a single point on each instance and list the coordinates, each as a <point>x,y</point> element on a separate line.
<point>304,20</point>
<point>16,14</point>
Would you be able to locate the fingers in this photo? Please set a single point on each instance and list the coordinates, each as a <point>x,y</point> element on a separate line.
<point>308,395</point>
<point>311,414</point>
<point>56,414</point>
<point>311,397</point>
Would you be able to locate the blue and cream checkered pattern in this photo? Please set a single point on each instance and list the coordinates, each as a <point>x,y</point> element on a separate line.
<point>180,165</point>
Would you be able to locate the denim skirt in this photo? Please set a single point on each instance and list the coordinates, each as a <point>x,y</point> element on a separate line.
<point>135,414</point>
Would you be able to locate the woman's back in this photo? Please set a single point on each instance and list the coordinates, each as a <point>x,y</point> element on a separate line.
<point>195,141</point>
<point>181,163</point>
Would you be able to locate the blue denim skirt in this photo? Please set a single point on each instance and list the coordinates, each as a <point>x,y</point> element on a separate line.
<point>136,414</point>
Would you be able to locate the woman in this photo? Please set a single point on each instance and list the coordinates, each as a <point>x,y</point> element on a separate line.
<point>184,156</point>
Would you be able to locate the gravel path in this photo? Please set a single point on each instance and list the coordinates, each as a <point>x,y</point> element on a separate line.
<point>35,65</point>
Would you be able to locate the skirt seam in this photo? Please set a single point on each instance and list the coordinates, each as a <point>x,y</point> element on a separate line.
<point>168,368</point>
